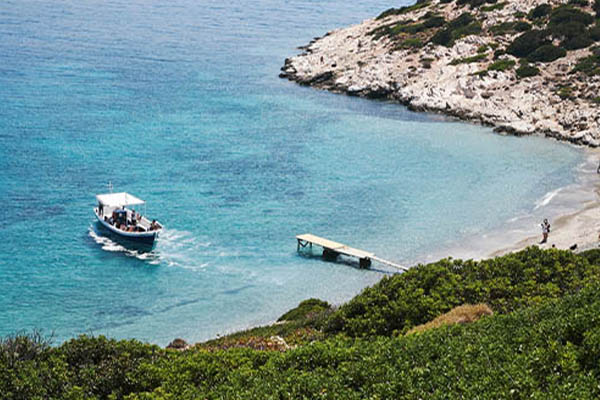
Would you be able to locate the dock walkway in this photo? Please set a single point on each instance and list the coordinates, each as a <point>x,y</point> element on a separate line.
<point>332,249</point>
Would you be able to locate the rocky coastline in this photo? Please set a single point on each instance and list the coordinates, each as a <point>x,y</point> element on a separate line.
<point>523,67</point>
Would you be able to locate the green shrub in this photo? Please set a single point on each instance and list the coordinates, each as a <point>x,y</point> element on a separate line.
<point>408,27</point>
<point>403,10</point>
<point>493,7</point>
<point>592,256</point>
<point>434,22</point>
<point>468,60</point>
<point>542,342</point>
<point>527,43</point>
<point>547,53</point>
<point>504,28</point>
<point>565,92</point>
<point>527,70</point>
<point>594,33</point>
<point>464,25</point>
<point>501,65</point>
<point>549,350</point>
<point>566,14</point>
<point>589,65</point>
<point>471,3</point>
<point>304,309</point>
<point>400,302</point>
<point>578,42</point>
<point>411,43</point>
<point>569,25</point>
<point>540,11</point>
<point>579,3</point>
<point>443,37</point>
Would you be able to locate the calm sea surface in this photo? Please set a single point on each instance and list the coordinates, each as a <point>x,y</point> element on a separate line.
<point>179,103</point>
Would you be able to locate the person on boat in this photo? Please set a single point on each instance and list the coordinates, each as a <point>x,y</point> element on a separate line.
<point>153,225</point>
<point>545,230</point>
<point>100,209</point>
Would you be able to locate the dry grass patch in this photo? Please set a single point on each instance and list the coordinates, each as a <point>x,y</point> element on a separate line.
<point>458,315</point>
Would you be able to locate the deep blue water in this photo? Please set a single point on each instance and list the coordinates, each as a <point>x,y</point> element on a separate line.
<point>179,103</point>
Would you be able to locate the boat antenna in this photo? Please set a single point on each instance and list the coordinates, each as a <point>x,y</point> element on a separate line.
<point>110,186</point>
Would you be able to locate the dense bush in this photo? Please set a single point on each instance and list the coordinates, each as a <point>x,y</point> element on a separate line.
<point>305,309</point>
<point>569,24</point>
<point>540,11</point>
<point>407,27</point>
<point>527,43</point>
<point>493,7</point>
<point>501,65</point>
<point>463,25</point>
<point>567,14</point>
<point>527,70</point>
<point>579,3</point>
<point>467,60</point>
<point>547,53</point>
<point>399,302</point>
<point>589,65</point>
<point>504,28</point>
<point>545,351</point>
<point>594,33</point>
<point>403,10</point>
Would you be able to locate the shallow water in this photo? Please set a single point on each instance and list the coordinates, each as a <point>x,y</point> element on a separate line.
<point>180,104</point>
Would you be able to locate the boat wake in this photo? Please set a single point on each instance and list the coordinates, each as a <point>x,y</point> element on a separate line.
<point>174,249</point>
<point>110,245</point>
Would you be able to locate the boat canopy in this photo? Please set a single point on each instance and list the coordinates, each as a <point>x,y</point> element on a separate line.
<point>118,199</point>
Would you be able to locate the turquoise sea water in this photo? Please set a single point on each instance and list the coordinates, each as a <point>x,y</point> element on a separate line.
<point>179,103</point>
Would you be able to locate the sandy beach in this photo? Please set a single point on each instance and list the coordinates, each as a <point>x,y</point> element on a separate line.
<point>573,212</point>
<point>580,227</point>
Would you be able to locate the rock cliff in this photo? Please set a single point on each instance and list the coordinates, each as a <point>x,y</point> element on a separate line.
<point>523,67</point>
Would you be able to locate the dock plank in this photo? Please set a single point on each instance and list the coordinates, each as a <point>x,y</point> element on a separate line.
<point>346,250</point>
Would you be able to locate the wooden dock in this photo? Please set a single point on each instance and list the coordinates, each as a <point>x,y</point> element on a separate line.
<point>333,249</point>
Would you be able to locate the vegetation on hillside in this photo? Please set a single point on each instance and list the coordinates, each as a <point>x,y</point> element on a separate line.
<point>543,35</point>
<point>543,341</point>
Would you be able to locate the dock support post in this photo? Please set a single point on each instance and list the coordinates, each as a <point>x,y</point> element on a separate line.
<point>364,262</point>
<point>329,254</point>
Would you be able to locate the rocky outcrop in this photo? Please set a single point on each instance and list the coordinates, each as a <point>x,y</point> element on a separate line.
<point>178,344</point>
<point>473,78</point>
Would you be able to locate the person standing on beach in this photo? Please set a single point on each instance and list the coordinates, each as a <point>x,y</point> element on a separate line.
<point>545,231</point>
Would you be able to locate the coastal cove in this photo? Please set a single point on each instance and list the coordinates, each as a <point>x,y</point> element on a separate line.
<point>180,103</point>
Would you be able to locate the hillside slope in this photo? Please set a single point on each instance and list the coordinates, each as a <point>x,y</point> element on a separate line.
<point>522,66</point>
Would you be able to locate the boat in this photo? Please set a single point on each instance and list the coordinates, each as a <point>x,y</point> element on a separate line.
<point>114,214</point>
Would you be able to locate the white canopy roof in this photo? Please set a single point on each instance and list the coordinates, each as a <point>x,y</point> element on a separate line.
<point>118,199</point>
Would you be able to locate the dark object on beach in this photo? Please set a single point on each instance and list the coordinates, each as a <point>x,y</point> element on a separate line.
<point>598,169</point>
<point>573,247</point>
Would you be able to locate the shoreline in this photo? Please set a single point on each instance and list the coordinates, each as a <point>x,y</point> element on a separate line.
<point>573,211</point>
<point>474,78</point>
